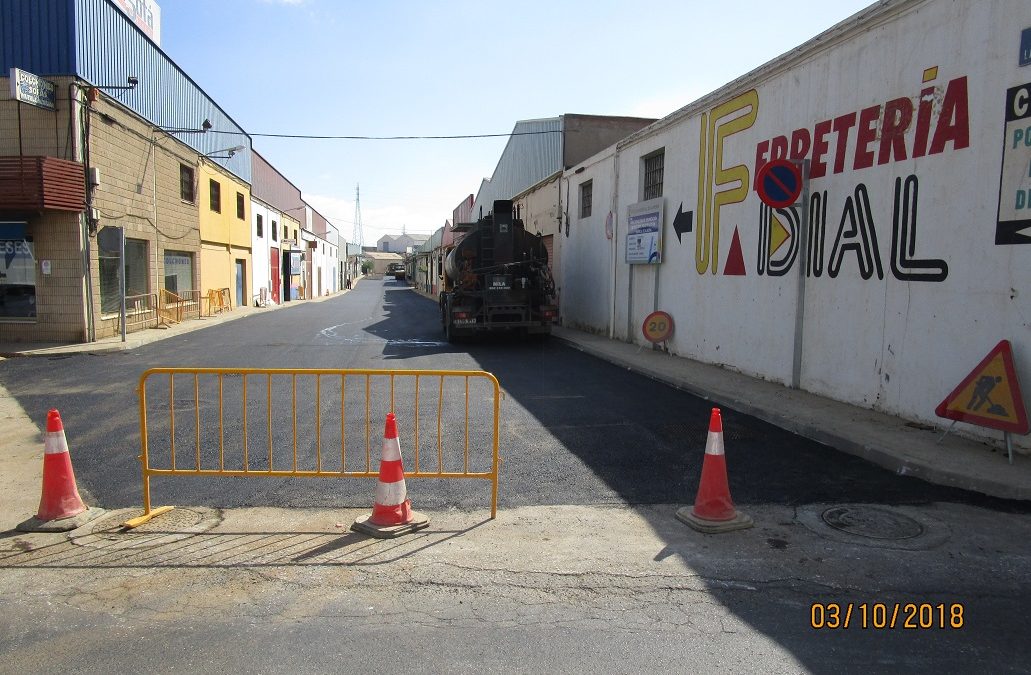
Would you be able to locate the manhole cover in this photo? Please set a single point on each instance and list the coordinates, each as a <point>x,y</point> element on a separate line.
<point>871,522</point>
<point>179,523</point>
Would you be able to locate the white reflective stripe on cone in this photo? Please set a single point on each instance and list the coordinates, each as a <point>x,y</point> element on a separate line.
<point>391,450</point>
<point>54,443</point>
<point>714,443</point>
<point>391,494</point>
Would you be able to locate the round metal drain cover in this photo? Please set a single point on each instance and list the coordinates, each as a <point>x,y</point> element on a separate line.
<point>179,523</point>
<point>872,523</point>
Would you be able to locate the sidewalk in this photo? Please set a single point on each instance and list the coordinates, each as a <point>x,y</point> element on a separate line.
<point>885,440</point>
<point>146,336</point>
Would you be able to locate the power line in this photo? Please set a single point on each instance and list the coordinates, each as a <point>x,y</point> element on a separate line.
<point>387,138</point>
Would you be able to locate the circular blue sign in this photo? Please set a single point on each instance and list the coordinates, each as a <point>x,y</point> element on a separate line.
<point>779,183</point>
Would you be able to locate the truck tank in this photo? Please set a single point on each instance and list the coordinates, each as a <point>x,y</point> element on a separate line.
<point>497,278</point>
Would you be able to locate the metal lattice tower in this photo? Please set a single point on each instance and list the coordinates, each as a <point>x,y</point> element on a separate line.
<point>357,236</point>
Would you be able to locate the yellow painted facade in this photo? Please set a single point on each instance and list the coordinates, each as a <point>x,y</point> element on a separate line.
<point>225,232</point>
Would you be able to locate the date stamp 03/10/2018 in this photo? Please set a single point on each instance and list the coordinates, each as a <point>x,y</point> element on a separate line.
<point>886,615</point>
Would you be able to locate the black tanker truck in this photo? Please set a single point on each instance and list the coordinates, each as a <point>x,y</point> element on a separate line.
<point>497,279</point>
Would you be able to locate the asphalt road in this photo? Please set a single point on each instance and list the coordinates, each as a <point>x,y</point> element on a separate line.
<point>574,430</point>
<point>585,568</point>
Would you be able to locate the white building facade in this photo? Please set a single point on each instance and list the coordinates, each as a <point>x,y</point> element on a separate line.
<point>915,134</point>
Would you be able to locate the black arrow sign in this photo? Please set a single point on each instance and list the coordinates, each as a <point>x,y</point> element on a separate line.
<point>684,222</point>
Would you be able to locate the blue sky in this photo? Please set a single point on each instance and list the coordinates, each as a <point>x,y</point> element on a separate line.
<point>390,68</point>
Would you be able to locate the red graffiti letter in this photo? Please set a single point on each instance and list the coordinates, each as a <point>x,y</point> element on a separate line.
<point>953,122</point>
<point>865,135</point>
<point>841,126</point>
<point>898,113</point>
<point>818,169</point>
<point>760,158</point>
<point>799,143</point>
<point>923,122</point>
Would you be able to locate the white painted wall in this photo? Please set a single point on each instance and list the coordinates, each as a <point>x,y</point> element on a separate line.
<point>261,274</point>
<point>887,342</point>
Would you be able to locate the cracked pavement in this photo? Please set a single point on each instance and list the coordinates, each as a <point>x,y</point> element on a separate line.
<point>602,575</point>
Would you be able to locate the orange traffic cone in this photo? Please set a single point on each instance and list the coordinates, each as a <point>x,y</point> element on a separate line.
<point>392,513</point>
<point>713,508</point>
<point>60,506</point>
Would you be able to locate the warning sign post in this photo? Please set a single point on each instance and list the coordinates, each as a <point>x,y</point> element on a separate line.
<point>989,397</point>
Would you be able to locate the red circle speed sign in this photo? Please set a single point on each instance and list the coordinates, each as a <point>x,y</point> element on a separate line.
<point>658,327</point>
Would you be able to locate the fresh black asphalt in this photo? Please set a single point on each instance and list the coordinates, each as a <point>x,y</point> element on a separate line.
<point>574,429</point>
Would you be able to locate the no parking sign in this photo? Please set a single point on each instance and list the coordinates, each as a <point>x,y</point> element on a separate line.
<point>779,183</point>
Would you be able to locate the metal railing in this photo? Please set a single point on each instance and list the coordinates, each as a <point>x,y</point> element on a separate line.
<point>261,422</point>
<point>219,300</point>
<point>179,306</point>
<point>141,311</point>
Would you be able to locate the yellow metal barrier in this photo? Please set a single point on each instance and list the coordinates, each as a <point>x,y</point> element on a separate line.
<point>338,409</point>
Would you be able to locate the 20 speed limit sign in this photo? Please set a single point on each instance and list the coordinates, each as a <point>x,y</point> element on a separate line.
<point>658,327</point>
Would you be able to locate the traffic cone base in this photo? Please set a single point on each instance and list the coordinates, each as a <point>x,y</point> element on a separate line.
<point>739,521</point>
<point>364,525</point>
<point>60,524</point>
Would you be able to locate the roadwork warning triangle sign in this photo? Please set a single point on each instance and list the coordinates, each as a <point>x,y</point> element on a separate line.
<point>990,395</point>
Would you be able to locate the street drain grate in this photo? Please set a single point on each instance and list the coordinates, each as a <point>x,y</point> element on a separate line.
<point>179,523</point>
<point>872,523</point>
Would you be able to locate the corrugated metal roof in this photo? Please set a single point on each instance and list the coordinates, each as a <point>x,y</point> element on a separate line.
<point>94,40</point>
<point>526,160</point>
<point>110,48</point>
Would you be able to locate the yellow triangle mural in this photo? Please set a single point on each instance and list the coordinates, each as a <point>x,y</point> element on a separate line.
<point>778,234</point>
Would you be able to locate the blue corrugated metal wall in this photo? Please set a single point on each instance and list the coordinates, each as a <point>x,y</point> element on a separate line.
<point>95,41</point>
<point>37,36</point>
<point>110,48</point>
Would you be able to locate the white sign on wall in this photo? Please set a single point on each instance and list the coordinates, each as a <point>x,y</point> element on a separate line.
<point>644,232</point>
<point>33,89</point>
<point>1014,222</point>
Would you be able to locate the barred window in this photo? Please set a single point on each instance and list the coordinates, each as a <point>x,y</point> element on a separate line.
<point>653,165</point>
<point>186,183</point>
<point>216,196</point>
<point>274,230</point>
<point>259,227</point>
<point>586,193</point>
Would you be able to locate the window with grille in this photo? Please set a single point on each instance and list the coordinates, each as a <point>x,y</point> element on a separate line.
<point>216,196</point>
<point>259,226</point>
<point>137,275</point>
<point>653,165</point>
<point>274,230</point>
<point>586,193</point>
<point>186,183</point>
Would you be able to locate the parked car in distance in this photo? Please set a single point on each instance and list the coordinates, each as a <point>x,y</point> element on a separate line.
<point>397,269</point>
